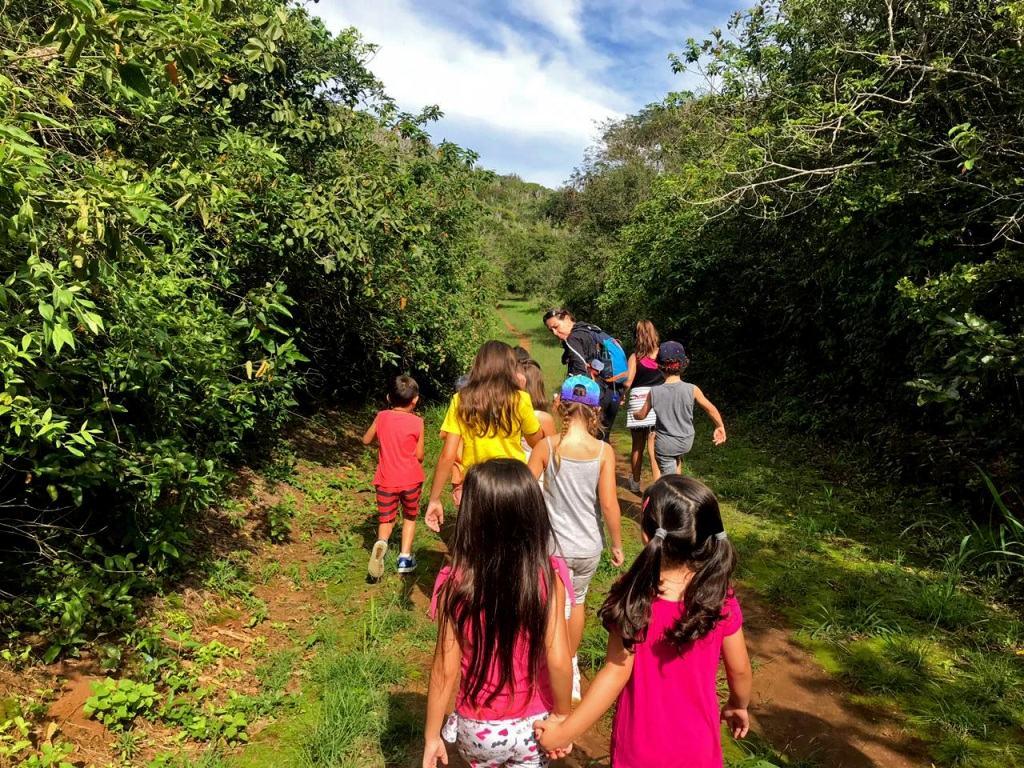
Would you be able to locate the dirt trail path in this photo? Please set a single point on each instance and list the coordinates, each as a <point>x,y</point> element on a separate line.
<point>523,338</point>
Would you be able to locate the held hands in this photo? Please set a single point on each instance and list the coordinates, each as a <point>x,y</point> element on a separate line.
<point>435,515</point>
<point>546,732</point>
<point>433,751</point>
<point>736,718</point>
<point>719,436</point>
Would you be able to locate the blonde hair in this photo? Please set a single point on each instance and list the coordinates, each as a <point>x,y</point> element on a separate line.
<point>535,385</point>
<point>568,412</point>
<point>647,339</point>
<point>488,402</point>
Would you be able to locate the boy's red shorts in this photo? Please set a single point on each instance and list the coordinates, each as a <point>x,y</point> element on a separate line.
<point>389,500</point>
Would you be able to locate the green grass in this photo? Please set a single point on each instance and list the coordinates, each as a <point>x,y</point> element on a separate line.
<point>890,613</point>
<point>526,316</point>
<point>355,707</point>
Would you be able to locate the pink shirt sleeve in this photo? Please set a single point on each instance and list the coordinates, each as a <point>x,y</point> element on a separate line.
<point>439,582</point>
<point>733,620</point>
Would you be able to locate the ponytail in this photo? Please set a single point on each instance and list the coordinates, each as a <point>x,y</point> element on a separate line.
<point>706,593</point>
<point>627,609</point>
<point>683,525</point>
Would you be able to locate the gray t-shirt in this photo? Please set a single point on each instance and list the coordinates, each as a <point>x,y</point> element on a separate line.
<point>570,491</point>
<point>673,432</point>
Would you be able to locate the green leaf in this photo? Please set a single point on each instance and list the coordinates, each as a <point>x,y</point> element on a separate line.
<point>61,336</point>
<point>134,78</point>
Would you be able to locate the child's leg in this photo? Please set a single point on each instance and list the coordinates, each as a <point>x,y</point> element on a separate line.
<point>408,535</point>
<point>577,620</point>
<point>410,511</point>
<point>387,512</point>
<point>669,465</point>
<point>636,453</point>
<point>582,570</point>
<point>655,471</point>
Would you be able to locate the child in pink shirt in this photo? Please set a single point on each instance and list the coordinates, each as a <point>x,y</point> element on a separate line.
<point>500,610</point>
<point>399,477</point>
<point>669,620</point>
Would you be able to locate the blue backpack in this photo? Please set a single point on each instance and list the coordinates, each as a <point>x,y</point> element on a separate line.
<point>610,353</point>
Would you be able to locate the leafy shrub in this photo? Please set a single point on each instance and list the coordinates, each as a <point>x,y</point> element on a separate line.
<point>199,208</point>
<point>279,520</point>
<point>116,703</point>
<point>756,223</point>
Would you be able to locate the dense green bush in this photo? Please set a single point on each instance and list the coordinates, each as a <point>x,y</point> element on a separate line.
<point>520,237</point>
<point>207,208</point>
<point>835,228</point>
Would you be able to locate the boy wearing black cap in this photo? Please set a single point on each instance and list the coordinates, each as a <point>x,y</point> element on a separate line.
<point>673,402</point>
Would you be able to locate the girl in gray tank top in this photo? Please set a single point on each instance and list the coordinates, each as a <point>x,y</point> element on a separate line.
<point>579,489</point>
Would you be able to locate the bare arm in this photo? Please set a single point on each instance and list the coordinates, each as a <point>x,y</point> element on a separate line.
<point>371,433</point>
<point>608,495</point>
<point>539,459</point>
<point>420,450</point>
<point>740,678</point>
<point>443,471</point>
<point>547,424</point>
<point>534,437</point>
<point>558,657</point>
<point>709,408</point>
<point>646,408</point>
<point>618,666</point>
<point>630,370</point>
<point>444,674</point>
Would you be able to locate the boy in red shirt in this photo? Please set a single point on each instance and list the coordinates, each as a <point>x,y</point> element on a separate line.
<point>399,477</point>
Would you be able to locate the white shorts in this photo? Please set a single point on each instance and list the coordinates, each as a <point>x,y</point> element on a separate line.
<point>494,743</point>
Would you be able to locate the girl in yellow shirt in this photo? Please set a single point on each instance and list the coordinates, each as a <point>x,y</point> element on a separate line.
<point>488,418</point>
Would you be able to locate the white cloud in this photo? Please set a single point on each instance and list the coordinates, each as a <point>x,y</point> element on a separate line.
<point>560,16</point>
<point>513,88</point>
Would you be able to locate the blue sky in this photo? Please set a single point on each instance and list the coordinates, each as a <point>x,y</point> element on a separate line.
<point>526,83</point>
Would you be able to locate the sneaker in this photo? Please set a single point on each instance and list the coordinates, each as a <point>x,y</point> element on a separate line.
<point>577,696</point>
<point>375,568</point>
<point>634,486</point>
<point>406,564</point>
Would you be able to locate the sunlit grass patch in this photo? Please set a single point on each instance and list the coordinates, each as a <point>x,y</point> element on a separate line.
<point>885,606</point>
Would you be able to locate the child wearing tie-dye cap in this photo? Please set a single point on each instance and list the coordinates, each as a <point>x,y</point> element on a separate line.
<point>578,470</point>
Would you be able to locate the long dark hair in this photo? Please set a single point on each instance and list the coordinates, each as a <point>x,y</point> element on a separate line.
<point>488,402</point>
<point>687,511</point>
<point>501,574</point>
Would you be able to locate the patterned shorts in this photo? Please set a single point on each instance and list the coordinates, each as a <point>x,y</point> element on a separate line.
<point>494,743</point>
<point>388,502</point>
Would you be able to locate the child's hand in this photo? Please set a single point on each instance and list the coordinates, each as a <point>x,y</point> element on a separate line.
<point>433,751</point>
<point>719,436</point>
<point>435,516</point>
<point>546,732</point>
<point>737,719</point>
<point>618,557</point>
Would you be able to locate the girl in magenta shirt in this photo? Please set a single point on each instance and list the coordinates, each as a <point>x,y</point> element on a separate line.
<point>669,619</point>
<point>500,610</point>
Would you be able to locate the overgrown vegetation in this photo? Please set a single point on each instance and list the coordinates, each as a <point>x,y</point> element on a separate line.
<point>833,226</point>
<point>521,238</point>
<point>200,205</point>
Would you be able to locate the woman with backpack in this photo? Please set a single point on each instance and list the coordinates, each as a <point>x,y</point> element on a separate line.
<point>589,351</point>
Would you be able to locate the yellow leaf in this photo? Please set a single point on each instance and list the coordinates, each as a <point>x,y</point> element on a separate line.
<point>248,369</point>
